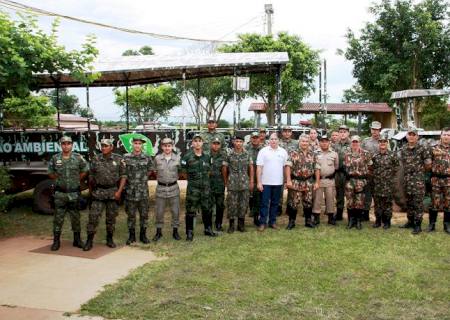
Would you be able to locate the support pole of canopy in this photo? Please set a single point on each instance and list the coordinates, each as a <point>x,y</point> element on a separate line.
<point>197,99</point>
<point>57,105</point>
<point>88,108</point>
<point>127,114</point>
<point>278,96</point>
<point>359,122</point>
<point>183,115</point>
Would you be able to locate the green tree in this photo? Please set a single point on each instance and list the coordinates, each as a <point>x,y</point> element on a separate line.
<point>148,103</point>
<point>143,51</point>
<point>298,75</point>
<point>68,103</point>
<point>435,113</point>
<point>27,112</point>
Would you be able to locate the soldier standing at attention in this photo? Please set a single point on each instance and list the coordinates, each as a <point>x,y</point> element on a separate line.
<point>328,161</point>
<point>238,174</point>
<point>341,147</point>
<point>370,144</point>
<point>106,183</point>
<point>385,165</point>
<point>357,164</point>
<point>255,197</point>
<point>67,169</point>
<point>416,159</point>
<point>302,178</point>
<point>138,168</point>
<point>288,144</point>
<point>334,139</point>
<point>440,181</point>
<point>263,137</point>
<point>211,134</point>
<point>217,181</point>
<point>313,141</point>
<point>196,167</point>
<point>167,165</point>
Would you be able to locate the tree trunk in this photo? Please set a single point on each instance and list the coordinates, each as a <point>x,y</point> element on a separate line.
<point>270,110</point>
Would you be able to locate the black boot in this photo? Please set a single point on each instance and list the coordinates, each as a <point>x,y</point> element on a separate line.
<point>350,223</point>
<point>209,232</point>
<point>77,243</point>
<point>109,240</point>
<point>143,235</point>
<point>417,227</point>
<point>256,219</point>
<point>189,226</point>
<point>308,213</point>
<point>131,236</point>
<point>241,225</point>
<point>175,234</point>
<point>231,227</point>
<point>386,223</point>
<point>219,219</point>
<point>377,223</point>
<point>408,225</point>
<point>316,219</point>
<point>89,242</point>
<point>207,223</point>
<point>331,219</point>
<point>158,234</point>
<point>365,215</point>
<point>339,214</point>
<point>56,241</point>
<point>292,213</point>
<point>359,217</point>
<point>447,222</point>
<point>433,217</point>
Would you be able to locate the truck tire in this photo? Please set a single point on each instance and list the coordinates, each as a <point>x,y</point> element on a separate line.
<point>42,196</point>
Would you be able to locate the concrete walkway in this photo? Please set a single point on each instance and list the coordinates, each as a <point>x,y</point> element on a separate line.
<point>57,283</point>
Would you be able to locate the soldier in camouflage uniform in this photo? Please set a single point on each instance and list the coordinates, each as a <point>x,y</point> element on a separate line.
<point>341,147</point>
<point>288,144</point>
<point>212,134</point>
<point>67,169</point>
<point>440,181</point>
<point>255,197</point>
<point>263,137</point>
<point>334,139</point>
<point>416,159</point>
<point>217,181</point>
<point>357,163</point>
<point>385,165</point>
<point>238,174</point>
<point>196,167</point>
<point>370,144</point>
<point>138,168</point>
<point>106,183</point>
<point>302,178</point>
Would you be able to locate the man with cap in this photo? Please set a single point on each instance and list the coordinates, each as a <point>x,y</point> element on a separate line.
<point>196,167</point>
<point>217,181</point>
<point>138,168</point>
<point>166,166</point>
<point>385,166</point>
<point>286,142</point>
<point>302,179</point>
<point>212,133</point>
<point>106,183</point>
<point>238,174</point>
<point>440,181</point>
<point>416,159</point>
<point>357,166</point>
<point>255,197</point>
<point>328,161</point>
<point>370,144</point>
<point>68,169</point>
<point>341,147</point>
<point>263,137</point>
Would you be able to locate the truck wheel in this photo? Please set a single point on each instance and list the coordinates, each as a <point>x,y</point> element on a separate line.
<point>42,196</point>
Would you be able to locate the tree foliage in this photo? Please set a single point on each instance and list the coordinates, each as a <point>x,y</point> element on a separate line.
<point>30,111</point>
<point>68,103</point>
<point>148,103</point>
<point>298,75</point>
<point>435,114</point>
<point>143,51</point>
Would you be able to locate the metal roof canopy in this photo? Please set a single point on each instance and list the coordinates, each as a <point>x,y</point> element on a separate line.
<point>135,70</point>
<point>415,93</point>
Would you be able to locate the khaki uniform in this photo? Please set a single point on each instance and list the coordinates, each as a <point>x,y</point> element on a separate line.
<point>329,163</point>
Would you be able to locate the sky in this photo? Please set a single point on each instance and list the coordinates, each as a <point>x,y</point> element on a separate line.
<point>321,24</point>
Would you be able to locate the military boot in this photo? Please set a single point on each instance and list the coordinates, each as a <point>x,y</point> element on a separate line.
<point>56,241</point>
<point>109,239</point>
<point>77,243</point>
<point>365,215</point>
<point>241,225</point>
<point>351,214</point>
<point>89,242</point>
<point>432,214</point>
<point>359,217</point>
<point>219,219</point>
<point>231,227</point>
<point>158,234</point>
<point>447,222</point>
<point>175,234</point>
<point>331,219</point>
<point>308,213</point>
<point>131,236</point>
<point>339,214</point>
<point>292,213</point>
<point>218,227</point>
<point>386,223</point>
<point>143,235</point>
<point>256,220</point>
<point>417,227</point>
<point>316,219</point>
<point>377,223</point>
<point>409,224</point>
<point>207,223</point>
<point>189,226</point>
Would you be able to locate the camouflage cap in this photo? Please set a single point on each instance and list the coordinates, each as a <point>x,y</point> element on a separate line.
<point>238,138</point>
<point>216,140</point>
<point>324,137</point>
<point>107,142</point>
<point>197,135</point>
<point>211,119</point>
<point>262,130</point>
<point>138,139</point>
<point>166,140</point>
<point>375,125</point>
<point>356,138</point>
<point>65,139</point>
<point>384,137</point>
<point>412,130</point>
<point>344,127</point>
<point>286,128</point>
<point>255,135</point>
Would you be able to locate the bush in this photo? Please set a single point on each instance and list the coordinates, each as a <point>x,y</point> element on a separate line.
<point>5,184</point>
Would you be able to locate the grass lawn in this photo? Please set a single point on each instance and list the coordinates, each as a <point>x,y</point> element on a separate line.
<point>326,273</point>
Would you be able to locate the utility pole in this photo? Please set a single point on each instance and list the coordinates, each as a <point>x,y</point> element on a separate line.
<point>268,9</point>
<point>325,93</point>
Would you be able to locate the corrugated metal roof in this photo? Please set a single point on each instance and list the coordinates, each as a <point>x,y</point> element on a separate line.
<point>154,68</point>
<point>332,107</point>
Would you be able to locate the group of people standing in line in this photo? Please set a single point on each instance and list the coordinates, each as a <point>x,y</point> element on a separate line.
<point>315,171</point>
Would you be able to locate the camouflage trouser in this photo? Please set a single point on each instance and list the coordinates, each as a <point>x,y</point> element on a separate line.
<point>354,193</point>
<point>255,202</point>
<point>97,207</point>
<point>66,203</point>
<point>368,194</point>
<point>440,193</point>
<point>218,200</point>
<point>237,203</point>
<point>198,199</point>
<point>302,192</point>
<point>383,207</point>
<point>414,206</point>
<point>131,207</point>
<point>340,189</point>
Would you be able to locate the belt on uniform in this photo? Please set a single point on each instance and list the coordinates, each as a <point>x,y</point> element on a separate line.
<point>167,184</point>
<point>66,190</point>
<point>301,178</point>
<point>104,187</point>
<point>330,176</point>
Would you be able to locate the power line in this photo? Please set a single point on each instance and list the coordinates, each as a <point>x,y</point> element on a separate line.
<point>21,7</point>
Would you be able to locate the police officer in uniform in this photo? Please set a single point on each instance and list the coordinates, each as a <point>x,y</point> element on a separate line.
<point>341,147</point>
<point>211,134</point>
<point>217,181</point>
<point>67,168</point>
<point>255,197</point>
<point>138,168</point>
<point>106,183</point>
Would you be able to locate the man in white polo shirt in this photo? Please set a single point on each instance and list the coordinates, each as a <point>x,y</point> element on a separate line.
<point>269,174</point>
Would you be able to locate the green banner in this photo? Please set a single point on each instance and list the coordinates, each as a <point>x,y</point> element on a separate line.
<point>127,141</point>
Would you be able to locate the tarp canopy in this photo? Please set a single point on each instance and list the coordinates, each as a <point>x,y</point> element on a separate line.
<point>414,93</point>
<point>134,70</point>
